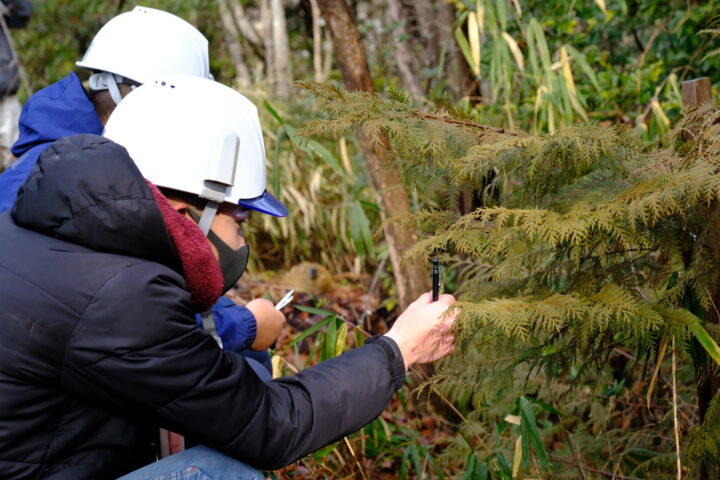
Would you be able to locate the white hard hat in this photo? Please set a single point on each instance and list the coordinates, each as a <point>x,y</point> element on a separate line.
<point>197,136</point>
<point>146,43</point>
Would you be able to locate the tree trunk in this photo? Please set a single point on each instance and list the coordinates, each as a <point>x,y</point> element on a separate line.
<point>405,60</point>
<point>266,33</point>
<point>431,27</point>
<point>317,42</point>
<point>243,23</point>
<point>231,36</point>
<point>411,279</point>
<point>283,73</point>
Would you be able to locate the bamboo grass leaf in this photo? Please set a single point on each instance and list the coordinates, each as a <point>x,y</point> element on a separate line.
<point>474,37</point>
<point>515,49</point>
<point>466,51</point>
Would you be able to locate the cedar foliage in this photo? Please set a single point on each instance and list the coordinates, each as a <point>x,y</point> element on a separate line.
<point>587,241</point>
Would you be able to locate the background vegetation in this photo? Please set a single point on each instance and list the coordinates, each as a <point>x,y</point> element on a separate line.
<point>549,163</point>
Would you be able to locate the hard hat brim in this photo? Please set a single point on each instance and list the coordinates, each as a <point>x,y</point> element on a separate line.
<point>265,203</point>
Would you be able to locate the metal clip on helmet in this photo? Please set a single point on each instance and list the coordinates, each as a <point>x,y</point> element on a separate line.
<point>196,136</point>
<point>142,45</point>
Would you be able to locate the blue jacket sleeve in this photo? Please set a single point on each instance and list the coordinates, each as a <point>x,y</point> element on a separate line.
<point>236,325</point>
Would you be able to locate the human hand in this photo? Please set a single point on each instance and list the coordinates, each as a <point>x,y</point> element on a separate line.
<point>422,332</point>
<point>269,323</point>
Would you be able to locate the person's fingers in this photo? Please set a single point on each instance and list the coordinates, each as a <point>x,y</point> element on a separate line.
<point>423,299</point>
<point>446,298</point>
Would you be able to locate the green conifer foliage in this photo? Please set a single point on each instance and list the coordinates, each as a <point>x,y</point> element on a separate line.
<point>588,241</point>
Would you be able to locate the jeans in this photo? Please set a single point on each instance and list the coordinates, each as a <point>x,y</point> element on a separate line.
<point>198,463</point>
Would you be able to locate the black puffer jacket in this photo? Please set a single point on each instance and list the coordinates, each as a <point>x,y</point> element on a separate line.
<point>98,342</point>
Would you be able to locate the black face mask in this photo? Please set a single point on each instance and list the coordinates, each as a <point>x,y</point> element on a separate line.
<point>232,262</point>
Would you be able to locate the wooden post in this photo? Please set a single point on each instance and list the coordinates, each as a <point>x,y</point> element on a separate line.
<point>696,92</point>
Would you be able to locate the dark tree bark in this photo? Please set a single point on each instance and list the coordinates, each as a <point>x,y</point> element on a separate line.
<point>411,278</point>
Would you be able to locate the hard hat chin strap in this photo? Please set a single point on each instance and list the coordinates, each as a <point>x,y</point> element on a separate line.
<point>107,81</point>
<point>207,216</point>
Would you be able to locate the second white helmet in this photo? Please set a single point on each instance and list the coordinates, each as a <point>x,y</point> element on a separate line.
<point>196,136</point>
<point>144,44</point>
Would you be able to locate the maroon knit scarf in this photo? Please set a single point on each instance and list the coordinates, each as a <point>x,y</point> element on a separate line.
<point>200,268</point>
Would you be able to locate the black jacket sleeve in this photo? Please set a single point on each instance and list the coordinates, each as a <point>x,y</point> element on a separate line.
<point>137,351</point>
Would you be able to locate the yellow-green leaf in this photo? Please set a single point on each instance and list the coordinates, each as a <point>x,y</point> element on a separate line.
<point>465,48</point>
<point>662,119</point>
<point>704,338</point>
<point>341,339</point>
<point>515,49</point>
<point>602,6</point>
<point>656,372</point>
<point>474,37</point>
<point>570,83</point>
<point>517,458</point>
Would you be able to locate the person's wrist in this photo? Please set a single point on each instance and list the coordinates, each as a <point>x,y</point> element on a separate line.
<point>404,348</point>
<point>396,361</point>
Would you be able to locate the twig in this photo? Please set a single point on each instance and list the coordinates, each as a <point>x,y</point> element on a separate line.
<point>675,414</point>
<point>576,454</point>
<point>625,354</point>
<point>352,452</point>
<point>593,470</point>
<point>373,284</point>
<point>468,123</point>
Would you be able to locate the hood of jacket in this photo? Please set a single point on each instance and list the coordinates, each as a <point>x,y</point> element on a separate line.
<point>86,190</point>
<point>59,110</point>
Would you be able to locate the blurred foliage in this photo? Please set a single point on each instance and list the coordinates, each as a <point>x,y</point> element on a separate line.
<point>543,65</point>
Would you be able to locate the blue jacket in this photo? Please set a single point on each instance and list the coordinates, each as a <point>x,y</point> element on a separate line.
<point>61,110</point>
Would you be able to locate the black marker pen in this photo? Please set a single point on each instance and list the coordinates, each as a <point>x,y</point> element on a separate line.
<point>435,279</point>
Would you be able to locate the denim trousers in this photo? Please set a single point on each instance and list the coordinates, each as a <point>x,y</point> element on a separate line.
<point>197,463</point>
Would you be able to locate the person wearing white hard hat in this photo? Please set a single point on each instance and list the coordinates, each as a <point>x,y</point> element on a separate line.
<point>131,49</point>
<point>123,236</point>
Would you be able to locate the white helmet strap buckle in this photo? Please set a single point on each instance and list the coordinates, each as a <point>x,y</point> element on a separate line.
<point>220,167</point>
<point>107,81</point>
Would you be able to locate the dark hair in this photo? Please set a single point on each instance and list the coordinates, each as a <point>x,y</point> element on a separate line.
<point>103,102</point>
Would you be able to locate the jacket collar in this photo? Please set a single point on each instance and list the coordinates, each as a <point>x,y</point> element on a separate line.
<point>86,190</point>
